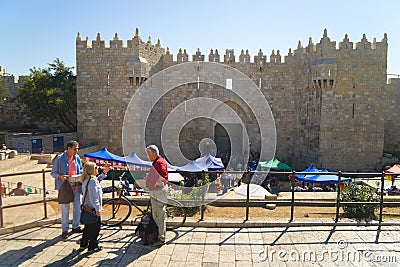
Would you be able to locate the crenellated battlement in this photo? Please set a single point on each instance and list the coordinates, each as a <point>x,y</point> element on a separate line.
<point>324,49</point>
<point>116,43</point>
<point>327,48</point>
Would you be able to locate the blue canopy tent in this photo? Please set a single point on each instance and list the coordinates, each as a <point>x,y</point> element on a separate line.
<point>206,163</point>
<point>211,162</point>
<point>133,159</point>
<point>312,168</point>
<point>192,167</point>
<point>104,154</point>
<point>318,178</point>
<point>331,178</point>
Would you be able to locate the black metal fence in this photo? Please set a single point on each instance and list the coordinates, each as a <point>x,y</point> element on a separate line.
<point>249,202</point>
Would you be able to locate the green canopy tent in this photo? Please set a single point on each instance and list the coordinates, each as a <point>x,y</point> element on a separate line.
<point>275,165</point>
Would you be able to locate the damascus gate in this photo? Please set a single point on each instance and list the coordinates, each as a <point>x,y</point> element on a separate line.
<point>332,104</point>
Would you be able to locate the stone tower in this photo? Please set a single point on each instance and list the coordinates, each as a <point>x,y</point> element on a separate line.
<point>107,78</point>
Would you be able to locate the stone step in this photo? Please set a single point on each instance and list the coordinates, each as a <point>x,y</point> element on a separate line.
<point>44,158</point>
<point>19,164</point>
<point>22,167</point>
<point>14,161</point>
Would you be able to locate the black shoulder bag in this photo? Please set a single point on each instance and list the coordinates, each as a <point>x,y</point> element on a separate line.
<point>88,215</point>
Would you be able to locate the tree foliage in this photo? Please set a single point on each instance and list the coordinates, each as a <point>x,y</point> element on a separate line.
<point>50,94</point>
<point>3,90</point>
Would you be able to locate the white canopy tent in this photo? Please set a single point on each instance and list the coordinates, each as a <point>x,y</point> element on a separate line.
<point>255,190</point>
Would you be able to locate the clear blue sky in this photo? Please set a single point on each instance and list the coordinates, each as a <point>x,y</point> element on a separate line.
<point>34,33</point>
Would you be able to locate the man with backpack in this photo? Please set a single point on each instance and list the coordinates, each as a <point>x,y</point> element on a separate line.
<point>157,183</point>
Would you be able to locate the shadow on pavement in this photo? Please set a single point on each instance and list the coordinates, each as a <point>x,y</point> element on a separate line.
<point>17,256</point>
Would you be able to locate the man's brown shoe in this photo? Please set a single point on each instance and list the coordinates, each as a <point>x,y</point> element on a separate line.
<point>64,235</point>
<point>77,230</point>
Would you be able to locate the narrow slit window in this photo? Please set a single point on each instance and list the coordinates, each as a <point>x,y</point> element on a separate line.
<point>229,84</point>
<point>325,84</point>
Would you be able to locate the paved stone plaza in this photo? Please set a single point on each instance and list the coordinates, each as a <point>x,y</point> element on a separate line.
<point>188,246</point>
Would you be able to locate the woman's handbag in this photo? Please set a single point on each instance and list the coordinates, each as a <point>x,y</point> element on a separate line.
<point>88,215</point>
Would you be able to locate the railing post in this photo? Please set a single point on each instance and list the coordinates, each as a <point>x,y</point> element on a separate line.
<point>112,185</point>
<point>381,200</point>
<point>112,192</point>
<point>1,205</point>
<point>204,187</point>
<point>292,200</point>
<point>247,200</point>
<point>44,193</point>
<point>338,197</point>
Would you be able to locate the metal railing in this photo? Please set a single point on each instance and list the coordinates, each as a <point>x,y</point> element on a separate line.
<point>248,202</point>
<point>9,186</point>
<point>292,203</point>
<point>44,200</point>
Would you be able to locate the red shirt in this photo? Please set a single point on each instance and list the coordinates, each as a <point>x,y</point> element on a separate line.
<point>159,168</point>
<point>71,165</point>
<point>72,169</point>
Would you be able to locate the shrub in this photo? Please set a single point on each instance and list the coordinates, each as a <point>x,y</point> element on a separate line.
<point>353,192</point>
<point>191,193</point>
<point>195,193</point>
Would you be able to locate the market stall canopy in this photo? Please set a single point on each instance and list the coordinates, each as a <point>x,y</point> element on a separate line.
<point>319,178</point>
<point>206,163</point>
<point>211,162</point>
<point>312,168</point>
<point>275,165</point>
<point>174,177</point>
<point>104,154</point>
<point>133,159</point>
<point>192,167</point>
<point>254,190</point>
<point>394,169</point>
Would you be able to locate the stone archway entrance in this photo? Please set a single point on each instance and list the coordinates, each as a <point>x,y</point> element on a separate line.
<point>224,142</point>
<point>230,132</point>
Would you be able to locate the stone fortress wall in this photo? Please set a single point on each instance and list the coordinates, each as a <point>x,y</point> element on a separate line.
<point>13,113</point>
<point>331,103</point>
